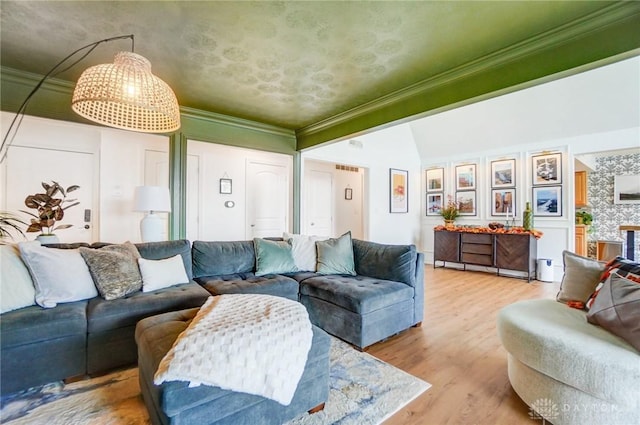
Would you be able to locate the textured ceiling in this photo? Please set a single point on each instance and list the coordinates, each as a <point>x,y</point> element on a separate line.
<point>286,63</point>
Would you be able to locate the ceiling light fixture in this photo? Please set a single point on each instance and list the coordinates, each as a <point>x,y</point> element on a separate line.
<point>124,95</point>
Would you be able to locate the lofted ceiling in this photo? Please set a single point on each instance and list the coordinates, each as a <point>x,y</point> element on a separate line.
<point>292,64</point>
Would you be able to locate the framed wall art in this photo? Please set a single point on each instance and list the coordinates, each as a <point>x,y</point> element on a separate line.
<point>434,203</point>
<point>547,169</point>
<point>398,191</point>
<point>503,202</point>
<point>503,173</point>
<point>626,189</point>
<point>466,177</point>
<point>467,202</point>
<point>226,187</point>
<point>547,201</point>
<point>435,180</point>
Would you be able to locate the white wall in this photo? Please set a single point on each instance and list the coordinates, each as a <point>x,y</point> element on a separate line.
<point>390,148</point>
<point>207,216</point>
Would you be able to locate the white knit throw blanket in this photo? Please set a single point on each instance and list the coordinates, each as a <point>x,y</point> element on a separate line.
<point>256,344</point>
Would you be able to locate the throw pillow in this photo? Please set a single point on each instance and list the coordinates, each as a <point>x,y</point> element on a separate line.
<point>158,274</point>
<point>304,250</point>
<point>335,256</point>
<point>16,286</point>
<point>622,267</point>
<point>581,276</point>
<point>59,275</point>
<point>617,309</point>
<point>114,269</point>
<point>273,257</point>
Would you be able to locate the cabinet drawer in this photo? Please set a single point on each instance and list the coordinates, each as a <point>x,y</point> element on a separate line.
<point>483,260</point>
<point>476,238</point>
<point>474,248</point>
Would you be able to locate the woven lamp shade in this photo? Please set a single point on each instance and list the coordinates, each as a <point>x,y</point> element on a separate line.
<point>126,95</point>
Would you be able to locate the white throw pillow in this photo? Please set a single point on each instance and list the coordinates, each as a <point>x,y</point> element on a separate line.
<point>303,248</point>
<point>59,275</point>
<point>158,274</point>
<point>16,286</point>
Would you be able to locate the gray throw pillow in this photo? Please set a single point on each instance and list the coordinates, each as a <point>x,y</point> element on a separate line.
<point>581,276</point>
<point>114,269</point>
<point>273,257</point>
<point>617,309</point>
<point>335,256</point>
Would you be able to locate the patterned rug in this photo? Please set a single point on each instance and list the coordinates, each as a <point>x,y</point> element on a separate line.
<point>363,391</point>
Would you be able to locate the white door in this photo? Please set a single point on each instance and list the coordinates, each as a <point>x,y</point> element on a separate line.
<point>267,200</point>
<point>28,167</point>
<point>156,173</point>
<point>318,203</point>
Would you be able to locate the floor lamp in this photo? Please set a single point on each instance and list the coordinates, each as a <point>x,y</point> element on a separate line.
<point>152,200</point>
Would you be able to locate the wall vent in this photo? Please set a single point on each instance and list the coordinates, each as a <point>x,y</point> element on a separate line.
<point>347,168</point>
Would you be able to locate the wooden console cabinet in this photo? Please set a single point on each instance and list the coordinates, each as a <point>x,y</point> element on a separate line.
<point>505,251</point>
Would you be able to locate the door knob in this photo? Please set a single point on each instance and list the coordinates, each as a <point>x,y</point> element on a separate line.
<point>86,226</point>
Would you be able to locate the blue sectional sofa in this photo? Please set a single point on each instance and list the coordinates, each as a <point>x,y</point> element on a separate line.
<point>94,336</point>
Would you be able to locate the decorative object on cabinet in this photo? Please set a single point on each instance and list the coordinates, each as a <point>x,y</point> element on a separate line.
<point>434,203</point>
<point>398,191</point>
<point>466,177</point>
<point>626,189</point>
<point>503,173</point>
<point>580,188</point>
<point>547,201</point>
<point>527,217</point>
<point>152,200</point>
<point>435,180</point>
<point>547,169</point>
<point>503,202</point>
<point>450,212</point>
<point>584,217</point>
<point>466,202</point>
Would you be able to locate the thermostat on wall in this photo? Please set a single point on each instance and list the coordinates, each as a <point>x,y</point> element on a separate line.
<point>229,204</point>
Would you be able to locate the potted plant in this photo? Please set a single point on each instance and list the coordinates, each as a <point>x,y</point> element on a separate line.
<point>583,217</point>
<point>50,207</point>
<point>9,224</point>
<point>450,212</point>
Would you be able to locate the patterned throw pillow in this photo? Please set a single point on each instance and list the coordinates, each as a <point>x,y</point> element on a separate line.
<point>114,269</point>
<point>621,266</point>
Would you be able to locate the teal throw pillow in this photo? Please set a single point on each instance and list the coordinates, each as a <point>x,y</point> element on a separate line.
<point>273,257</point>
<point>335,256</point>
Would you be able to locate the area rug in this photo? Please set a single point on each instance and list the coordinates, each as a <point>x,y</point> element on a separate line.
<point>363,391</point>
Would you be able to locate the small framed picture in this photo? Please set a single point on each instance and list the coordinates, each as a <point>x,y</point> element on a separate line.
<point>547,201</point>
<point>467,202</point>
<point>466,177</point>
<point>398,191</point>
<point>434,203</point>
<point>503,173</point>
<point>504,201</point>
<point>547,169</point>
<point>226,187</point>
<point>348,194</point>
<point>435,180</point>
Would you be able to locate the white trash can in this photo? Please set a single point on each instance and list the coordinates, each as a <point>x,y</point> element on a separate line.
<point>545,270</point>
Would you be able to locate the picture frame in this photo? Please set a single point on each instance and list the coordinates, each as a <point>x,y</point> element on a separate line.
<point>467,202</point>
<point>226,186</point>
<point>503,173</point>
<point>503,201</point>
<point>546,169</point>
<point>547,201</point>
<point>348,194</point>
<point>465,177</point>
<point>435,180</point>
<point>398,191</point>
<point>434,203</point>
<point>626,189</point>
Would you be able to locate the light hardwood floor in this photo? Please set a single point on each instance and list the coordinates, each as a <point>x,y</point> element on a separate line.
<point>458,352</point>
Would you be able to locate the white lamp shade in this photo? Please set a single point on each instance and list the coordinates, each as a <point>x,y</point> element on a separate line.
<point>152,198</point>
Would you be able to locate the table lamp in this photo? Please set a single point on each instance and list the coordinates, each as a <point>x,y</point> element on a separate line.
<point>152,200</point>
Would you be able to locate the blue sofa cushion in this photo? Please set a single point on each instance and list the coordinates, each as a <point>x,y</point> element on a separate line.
<point>388,262</point>
<point>106,315</point>
<point>249,283</point>
<point>167,249</point>
<point>222,258</point>
<point>359,294</point>
<point>34,324</point>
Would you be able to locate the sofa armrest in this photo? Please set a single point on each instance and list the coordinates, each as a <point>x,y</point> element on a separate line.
<point>418,315</point>
<point>387,262</point>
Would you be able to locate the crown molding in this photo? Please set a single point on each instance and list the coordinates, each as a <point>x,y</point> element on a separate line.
<point>544,42</point>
